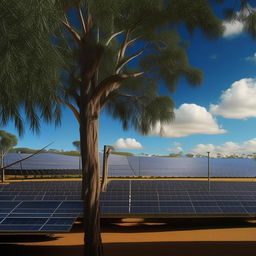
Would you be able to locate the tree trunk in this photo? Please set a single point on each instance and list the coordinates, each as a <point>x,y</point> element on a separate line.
<point>104,180</point>
<point>90,179</point>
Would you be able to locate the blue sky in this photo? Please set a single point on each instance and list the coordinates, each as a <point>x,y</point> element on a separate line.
<point>219,116</point>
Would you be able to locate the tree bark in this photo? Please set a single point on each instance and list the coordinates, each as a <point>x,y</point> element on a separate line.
<point>91,179</point>
<point>104,180</point>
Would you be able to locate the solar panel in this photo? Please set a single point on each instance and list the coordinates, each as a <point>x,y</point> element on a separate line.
<point>58,207</point>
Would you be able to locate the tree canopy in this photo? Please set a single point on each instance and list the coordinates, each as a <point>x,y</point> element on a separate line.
<point>7,141</point>
<point>29,65</point>
<point>92,55</point>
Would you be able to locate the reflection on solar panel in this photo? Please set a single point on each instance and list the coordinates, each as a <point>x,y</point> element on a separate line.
<point>170,198</point>
<point>55,164</point>
<point>36,216</point>
<point>54,206</point>
<point>192,167</point>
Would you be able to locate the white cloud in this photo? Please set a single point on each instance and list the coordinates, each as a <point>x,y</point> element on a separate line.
<point>177,148</point>
<point>227,148</point>
<point>128,143</point>
<point>189,119</point>
<point>232,28</point>
<point>251,58</point>
<point>238,101</point>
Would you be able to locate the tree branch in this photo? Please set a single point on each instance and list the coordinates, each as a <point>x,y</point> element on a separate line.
<point>113,36</point>
<point>123,48</point>
<point>133,40</point>
<point>122,64</point>
<point>117,94</point>
<point>72,108</point>
<point>81,17</point>
<point>110,83</point>
<point>72,32</point>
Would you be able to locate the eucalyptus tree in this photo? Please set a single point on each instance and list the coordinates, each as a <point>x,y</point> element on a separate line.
<point>120,52</point>
<point>115,55</point>
<point>28,83</point>
<point>7,141</point>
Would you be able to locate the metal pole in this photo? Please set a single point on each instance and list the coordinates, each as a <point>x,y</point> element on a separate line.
<point>209,186</point>
<point>139,165</point>
<point>20,162</point>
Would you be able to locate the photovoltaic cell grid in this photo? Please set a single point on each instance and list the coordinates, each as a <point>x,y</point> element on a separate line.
<point>38,216</point>
<point>39,206</point>
<point>168,198</point>
<point>53,206</point>
<point>54,164</point>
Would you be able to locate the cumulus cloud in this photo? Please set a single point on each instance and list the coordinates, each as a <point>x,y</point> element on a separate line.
<point>176,148</point>
<point>238,101</point>
<point>128,143</point>
<point>227,148</point>
<point>232,28</point>
<point>251,58</point>
<point>189,119</point>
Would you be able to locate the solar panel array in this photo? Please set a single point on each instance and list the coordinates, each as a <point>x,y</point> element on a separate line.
<point>192,167</point>
<point>121,166</point>
<point>168,198</point>
<point>39,207</point>
<point>56,164</point>
<point>54,206</point>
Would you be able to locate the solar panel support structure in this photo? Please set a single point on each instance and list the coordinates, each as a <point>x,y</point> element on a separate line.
<point>2,168</point>
<point>21,161</point>
<point>208,160</point>
<point>106,153</point>
<point>139,165</point>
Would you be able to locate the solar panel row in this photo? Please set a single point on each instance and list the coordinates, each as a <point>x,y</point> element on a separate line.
<point>56,164</point>
<point>47,205</point>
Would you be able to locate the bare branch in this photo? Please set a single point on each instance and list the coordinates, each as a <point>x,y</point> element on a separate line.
<point>111,83</point>
<point>133,40</point>
<point>72,108</point>
<point>81,17</point>
<point>117,94</point>
<point>113,36</point>
<point>89,23</point>
<point>122,64</point>
<point>72,32</point>
<point>124,46</point>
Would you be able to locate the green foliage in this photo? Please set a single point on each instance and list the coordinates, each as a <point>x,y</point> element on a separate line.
<point>122,153</point>
<point>246,14</point>
<point>76,144</point>
<point>29,58</point>
<point>175,155</point>
<point>7,141</point>
<point>32,151</point>
<point>29,64</point>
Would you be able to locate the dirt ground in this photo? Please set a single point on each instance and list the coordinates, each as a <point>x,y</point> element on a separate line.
<point>138,238</point>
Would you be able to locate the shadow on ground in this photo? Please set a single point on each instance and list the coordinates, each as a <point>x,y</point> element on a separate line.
<point>138,249</point>
<point>158,225</point>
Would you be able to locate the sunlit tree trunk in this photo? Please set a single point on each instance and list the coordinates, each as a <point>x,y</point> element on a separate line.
<point>91,179</point>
